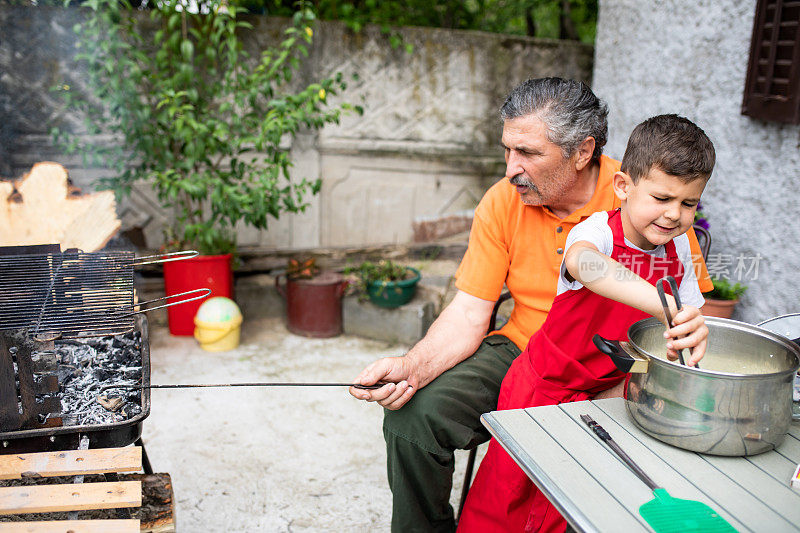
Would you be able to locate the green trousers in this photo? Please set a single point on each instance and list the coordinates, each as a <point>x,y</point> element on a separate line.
<point>441,417</point>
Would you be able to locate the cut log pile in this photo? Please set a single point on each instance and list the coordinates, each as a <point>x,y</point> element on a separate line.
<point>44,208</point>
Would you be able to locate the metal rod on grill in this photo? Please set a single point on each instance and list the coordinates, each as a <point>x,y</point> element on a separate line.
<point>202,293</point>
<point>165,258</point>
<point>252,384</point>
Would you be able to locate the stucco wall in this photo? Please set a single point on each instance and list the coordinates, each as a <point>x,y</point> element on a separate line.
<point>690,57</point>
<point>427,144</point>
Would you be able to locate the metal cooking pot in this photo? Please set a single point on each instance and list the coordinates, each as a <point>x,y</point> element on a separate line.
<point>786,325</point>
<point>738,403</point>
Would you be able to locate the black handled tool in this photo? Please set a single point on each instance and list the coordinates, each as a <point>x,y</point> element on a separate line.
<point>674,288</point>
<point>605,437</point>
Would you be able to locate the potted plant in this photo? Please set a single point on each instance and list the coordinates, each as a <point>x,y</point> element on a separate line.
<point>200,121</point>
<point>386,283</point>
<point>313,299</point>
<point>721,301</point>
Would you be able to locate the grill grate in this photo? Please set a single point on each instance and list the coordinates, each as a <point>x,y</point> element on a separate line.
<point>67,295</point>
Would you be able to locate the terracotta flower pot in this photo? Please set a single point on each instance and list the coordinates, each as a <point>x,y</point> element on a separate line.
<point>313,306</point>
<point>719,308</point>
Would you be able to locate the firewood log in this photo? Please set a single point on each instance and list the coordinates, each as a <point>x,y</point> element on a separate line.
<point>44,208</point>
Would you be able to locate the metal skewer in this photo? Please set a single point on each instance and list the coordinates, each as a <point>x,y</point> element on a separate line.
<point>251,384</point>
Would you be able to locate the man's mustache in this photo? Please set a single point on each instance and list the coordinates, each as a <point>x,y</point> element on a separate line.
<point>519,180</point>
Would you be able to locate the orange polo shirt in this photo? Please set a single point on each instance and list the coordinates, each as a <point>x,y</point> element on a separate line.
<point>522,247</point>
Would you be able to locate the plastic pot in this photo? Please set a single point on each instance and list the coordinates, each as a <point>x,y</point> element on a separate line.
<point>204,271</point>
<point>391,294</point>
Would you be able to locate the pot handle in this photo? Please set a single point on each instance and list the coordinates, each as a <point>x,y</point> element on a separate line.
<point>342,288</point>
<point>624,359</point>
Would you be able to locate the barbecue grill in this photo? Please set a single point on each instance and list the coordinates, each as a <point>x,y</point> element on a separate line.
<point>45,296</point>
<point>100,435</point>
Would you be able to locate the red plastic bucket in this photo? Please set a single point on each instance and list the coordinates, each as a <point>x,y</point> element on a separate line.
<point>204,271</point>
<point>314,306</point>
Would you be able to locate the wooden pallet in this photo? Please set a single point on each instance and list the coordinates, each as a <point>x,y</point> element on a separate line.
<point>51,498</point>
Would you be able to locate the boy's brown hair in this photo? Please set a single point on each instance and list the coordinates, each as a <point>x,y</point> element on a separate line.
<point>673,144</point>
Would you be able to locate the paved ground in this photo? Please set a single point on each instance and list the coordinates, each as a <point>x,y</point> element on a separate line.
<point>270,459</point>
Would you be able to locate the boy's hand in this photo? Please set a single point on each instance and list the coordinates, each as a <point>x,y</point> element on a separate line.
<point>689,331</point>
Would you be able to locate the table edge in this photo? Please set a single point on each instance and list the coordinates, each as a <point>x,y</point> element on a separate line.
<point>571,513</point>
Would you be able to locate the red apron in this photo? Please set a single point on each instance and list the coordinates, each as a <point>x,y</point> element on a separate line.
<point>560,364</point>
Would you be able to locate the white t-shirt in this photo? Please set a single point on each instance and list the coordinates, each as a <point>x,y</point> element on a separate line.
<point>596,230</point>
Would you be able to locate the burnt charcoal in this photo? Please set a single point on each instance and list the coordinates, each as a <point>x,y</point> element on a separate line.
<point>120,357</point>
<point>66,373</point>
<point>87,367</point>
<point>101,344</point>
<point>102,374</point>
<point>131,410</point>
<point>132,373</point>
<point>135,397</point>
<point>122,342</point>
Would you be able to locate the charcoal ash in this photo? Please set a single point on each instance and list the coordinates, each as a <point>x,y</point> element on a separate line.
<point>86,367</point>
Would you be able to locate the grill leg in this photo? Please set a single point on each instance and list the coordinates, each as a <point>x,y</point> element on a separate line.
<point>146,467</point>
<point>83,444</point>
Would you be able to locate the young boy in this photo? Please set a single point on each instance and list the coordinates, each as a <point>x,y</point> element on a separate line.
<point>611,264</point>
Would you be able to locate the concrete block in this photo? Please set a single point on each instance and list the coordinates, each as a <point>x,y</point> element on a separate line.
<point>406,324</point>
<point>257,297</point>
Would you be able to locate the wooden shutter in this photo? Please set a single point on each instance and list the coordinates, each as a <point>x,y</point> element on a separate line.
<point>772,89</point>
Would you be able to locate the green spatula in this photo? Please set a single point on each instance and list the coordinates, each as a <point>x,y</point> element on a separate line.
<point>664,513</point>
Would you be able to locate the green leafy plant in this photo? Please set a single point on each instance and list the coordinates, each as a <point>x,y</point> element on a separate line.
<point>369,272</point>
<point>195,117</point>
<point>554,19</point>
<point>384,270</point>
<point>725,290</point>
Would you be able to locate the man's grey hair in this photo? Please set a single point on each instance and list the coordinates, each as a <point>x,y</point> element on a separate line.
<point>569,109</point>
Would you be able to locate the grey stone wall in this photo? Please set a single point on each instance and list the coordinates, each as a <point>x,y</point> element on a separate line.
<point>690,57</point>
<point>426,146</point>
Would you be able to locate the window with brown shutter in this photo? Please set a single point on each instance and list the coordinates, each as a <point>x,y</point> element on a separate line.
<point>772,89</point>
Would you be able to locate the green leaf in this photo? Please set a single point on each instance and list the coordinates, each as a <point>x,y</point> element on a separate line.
<point>187,49</point>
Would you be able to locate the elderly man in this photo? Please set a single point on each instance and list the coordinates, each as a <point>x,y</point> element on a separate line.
<point>553,135</point>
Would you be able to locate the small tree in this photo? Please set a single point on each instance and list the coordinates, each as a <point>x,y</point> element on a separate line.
<point>199,120</point>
